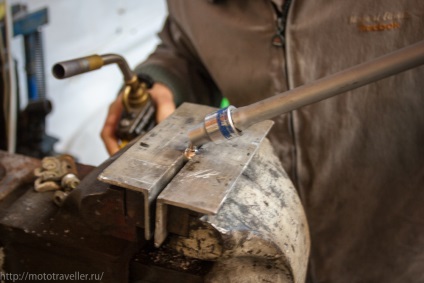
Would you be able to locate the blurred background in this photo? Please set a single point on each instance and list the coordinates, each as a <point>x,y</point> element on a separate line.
<point>69,29</point>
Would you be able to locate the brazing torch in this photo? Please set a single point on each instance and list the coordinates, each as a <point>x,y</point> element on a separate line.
<point>138,116</point>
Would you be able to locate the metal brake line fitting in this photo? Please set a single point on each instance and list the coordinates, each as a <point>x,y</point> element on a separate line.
<point>217,126</point>
<point>230,122</point>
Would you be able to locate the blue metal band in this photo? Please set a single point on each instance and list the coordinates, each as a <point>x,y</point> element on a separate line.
<point>223,125</point>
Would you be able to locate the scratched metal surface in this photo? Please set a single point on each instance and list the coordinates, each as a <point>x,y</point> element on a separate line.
<point>203,184</point>
<point>207,178</point>
<point>145,165</point>
<point>260,233</point>
<point>153,160</point>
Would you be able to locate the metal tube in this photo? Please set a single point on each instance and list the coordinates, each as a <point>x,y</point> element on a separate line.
<point>86,64</point>
<point>352,78</point>
<point>122,64</point>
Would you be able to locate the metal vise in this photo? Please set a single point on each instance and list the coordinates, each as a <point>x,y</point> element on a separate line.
<point>229,214</point>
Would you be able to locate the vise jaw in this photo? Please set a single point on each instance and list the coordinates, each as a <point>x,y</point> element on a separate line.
<point>155,171</point>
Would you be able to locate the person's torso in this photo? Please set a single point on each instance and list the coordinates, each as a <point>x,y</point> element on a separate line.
<point>358,157</point>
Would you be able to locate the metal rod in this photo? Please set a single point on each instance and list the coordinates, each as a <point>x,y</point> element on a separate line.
<point>225,124</point>
<point>352,78</point>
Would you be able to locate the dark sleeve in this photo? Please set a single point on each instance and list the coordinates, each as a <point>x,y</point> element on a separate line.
<point>175,63</point>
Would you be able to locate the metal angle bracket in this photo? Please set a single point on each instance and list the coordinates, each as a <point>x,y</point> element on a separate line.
<point>203,184</point>
<point>156,161</point>
<point>153,160</point>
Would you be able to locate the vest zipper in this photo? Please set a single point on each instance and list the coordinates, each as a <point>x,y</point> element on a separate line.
<point>279,39</point>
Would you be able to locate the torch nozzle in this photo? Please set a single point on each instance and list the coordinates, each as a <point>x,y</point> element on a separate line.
<point>86,64</point>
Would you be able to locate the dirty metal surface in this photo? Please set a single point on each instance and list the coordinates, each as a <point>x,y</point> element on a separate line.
<point>260,233</point>
<point>17,170</point>
<point>166,265</point>
<point>204,182</point>
<point>154,159</point>
<point>40,237</point>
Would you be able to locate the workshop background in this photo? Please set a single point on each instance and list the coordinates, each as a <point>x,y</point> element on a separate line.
<point>78,28</point>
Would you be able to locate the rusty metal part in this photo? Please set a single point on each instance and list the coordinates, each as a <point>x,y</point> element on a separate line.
<point>53,168</point>
<point>237,119</point>
<point>204,183</point>
<point>52,171</point>
<point>70,181</point>
<point>60,196</point>
<point>45,186</point>
<point>49,170</point>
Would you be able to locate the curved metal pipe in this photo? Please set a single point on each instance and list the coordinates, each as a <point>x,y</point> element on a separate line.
<point>122,64</point>
<point>86,64</point>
